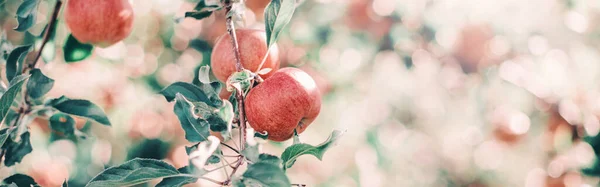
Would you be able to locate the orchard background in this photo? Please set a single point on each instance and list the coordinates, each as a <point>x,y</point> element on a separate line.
<point>425,92</point>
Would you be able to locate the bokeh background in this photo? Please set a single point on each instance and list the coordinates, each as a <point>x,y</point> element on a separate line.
<point>429,92</point>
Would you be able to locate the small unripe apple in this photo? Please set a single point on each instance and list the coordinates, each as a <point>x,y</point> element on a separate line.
<point>101,23</point>
<point>252,46</point>
<point>286,101</point>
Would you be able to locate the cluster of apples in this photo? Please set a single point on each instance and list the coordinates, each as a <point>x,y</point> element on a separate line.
<point>287,100</point>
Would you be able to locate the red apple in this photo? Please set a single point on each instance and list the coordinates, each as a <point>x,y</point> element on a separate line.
<point>101,23</point>
<point>252,46</point>
<point>286,101</point>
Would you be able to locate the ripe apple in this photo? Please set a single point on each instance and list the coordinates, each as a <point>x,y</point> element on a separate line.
<point>286,101</point>
<point>252,46</point>
<point>101,23</point>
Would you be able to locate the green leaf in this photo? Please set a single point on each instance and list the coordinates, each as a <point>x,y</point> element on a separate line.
<point>204,74</point>
<point>38,84</point>
<point>135,171</point>
<point>76,51</point>
<point>8,98</point>
<point>221,118</point>
<point>198,14</point>
<point>83,108</point>
<point>62,123</point>
<point>265,174</point>
<point>26,8</point>
<point>15,151</point>
<point>20,180</point>
<point>251,153</point>
<point>15,60</point>
<point>4,133</point>
<point>291,153</point>
<point>271,159</point>
<point>196,129</point>
<point>24,23</point>
<point>178,181</point>
<point>65,184</point>
<point>277,15</point>
<point>241,80</point>
<point>194,93</point>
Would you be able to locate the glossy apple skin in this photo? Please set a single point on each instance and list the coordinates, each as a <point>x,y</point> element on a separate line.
<point>101,23</point>
<point>288,100</point>
<point>252,44</point>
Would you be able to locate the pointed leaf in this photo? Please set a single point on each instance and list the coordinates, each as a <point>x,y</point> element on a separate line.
<point>38,84</point>
<point>265,174</point>
<point>15,151</point>
<point>4,136</point>
<point>76,51</point>
<point>291,153</point>
<point>196,130</point>
<point>20,180</point>
<point>83,108</point>
<point>24,23</point>
<point>277,15</point>
<point>198,14</point>
<point>14,61</point>
<point>178,181</point>
<point>194,93</point>
<point>135,171</point>
<point>9,97</point>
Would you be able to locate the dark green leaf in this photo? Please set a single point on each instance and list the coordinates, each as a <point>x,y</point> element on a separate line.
<point>25,22</point>
<point>62,123</point>
<point>135,171</point>
<point>15,60</point>
<point>4,133</point>
<point>291,153</point>
<point>20,180</point>
<point>265,174</point>
<point>15,151</point>
<point>38,84</point>
<point>196,129</point>
<point>83,108</point>
<point>221,118</point>
<point>198,14</point>
<point>9,185</point>
<point>178,181</point>
<point>9,97</point>
<point>277,15</point>
<point>26,8</point>
<point>76,51</point>
<point>26,14</point>
<point>194,93</point>
<point>65,184</point>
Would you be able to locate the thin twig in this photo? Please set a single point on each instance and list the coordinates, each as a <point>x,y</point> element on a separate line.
<point>231,30</point>
<point>235,168</point>
<point>228,146</point>
<point>220,167</point>
<point>47,34</point>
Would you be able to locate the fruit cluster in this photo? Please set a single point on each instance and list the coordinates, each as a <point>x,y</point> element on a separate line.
<point>287,100</point>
